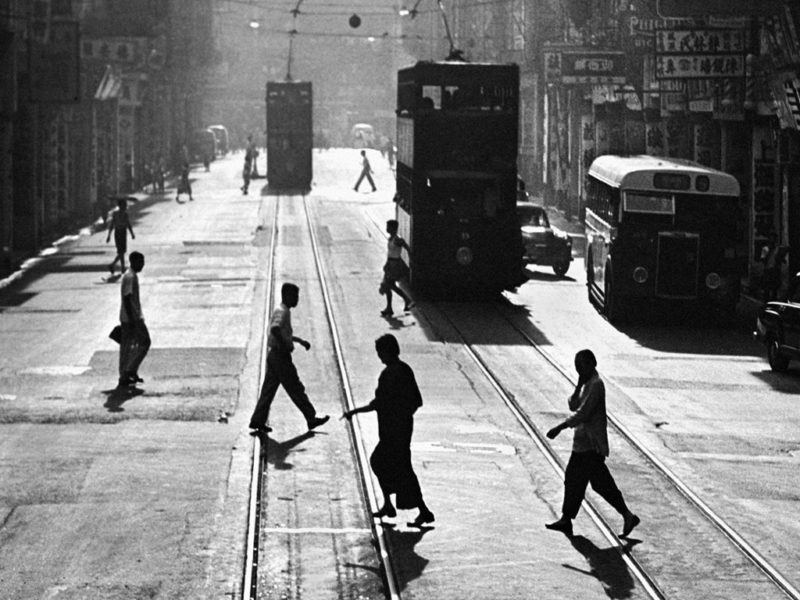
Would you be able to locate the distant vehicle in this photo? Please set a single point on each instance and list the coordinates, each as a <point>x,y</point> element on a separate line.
<point>543,244</point>
<point>221,135</point>
<point>457,133</point>
<point>660,230</point>
<point>202,146</point>
<point>289,134</point>
<point>778,328</point>
<point>363,135</point>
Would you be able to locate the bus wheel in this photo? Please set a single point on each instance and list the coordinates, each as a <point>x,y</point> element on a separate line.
<point>612,306</point>
<point>560,269</point>
<point>777,362</point>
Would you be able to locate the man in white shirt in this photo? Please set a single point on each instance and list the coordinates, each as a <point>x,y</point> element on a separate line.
<point>135,341</point>
<point>589,449</point>
<point>281,369</point>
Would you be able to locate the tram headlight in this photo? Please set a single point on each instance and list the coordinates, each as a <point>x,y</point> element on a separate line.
<point>640,274</point>
<point>713,281</point>
<point>464,256</point>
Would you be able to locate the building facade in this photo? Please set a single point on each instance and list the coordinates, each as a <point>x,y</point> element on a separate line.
<point>94,91</point>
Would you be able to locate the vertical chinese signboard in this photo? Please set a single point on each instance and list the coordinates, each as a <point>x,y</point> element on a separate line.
<point>55,65</point>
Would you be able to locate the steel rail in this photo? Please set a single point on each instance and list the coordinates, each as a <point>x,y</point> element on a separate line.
<point>648,584</point>
<point>355,429</point>
<point>250,580</point>
<point>749,551</point>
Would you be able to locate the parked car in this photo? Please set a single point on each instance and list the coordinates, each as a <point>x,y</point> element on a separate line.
<point>544,245</point>
<point>778,328</point>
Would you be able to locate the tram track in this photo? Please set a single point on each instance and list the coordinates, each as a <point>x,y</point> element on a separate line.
<point>250,578</point>
<point>251,569</point>
<point>746,548</point>
<point>649,584</point>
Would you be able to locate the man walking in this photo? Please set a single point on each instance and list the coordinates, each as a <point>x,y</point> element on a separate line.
<point>281,369</point>
<point>135,342</point>
<point>120,224</point>
<point>366,171</point>
<point>589,449</point>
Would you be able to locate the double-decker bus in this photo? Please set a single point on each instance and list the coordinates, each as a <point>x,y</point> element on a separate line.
<point>289,134</point>
<point>660,229</point>
<point>457,176</point>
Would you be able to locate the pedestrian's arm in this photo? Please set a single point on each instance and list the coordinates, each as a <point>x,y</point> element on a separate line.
<point>304,343</point>
<point>110,229</point>
<point>360,409</point>
<point>130,228</point>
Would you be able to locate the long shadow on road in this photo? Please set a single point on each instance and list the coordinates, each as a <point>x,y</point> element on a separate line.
<point>606,565</point>
<point>118,396</point>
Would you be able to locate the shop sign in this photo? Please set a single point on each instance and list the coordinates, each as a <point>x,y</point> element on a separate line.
<point>583,66</point>
<point>124,51</point>
<point>704,105</point>
<point>702,66</point>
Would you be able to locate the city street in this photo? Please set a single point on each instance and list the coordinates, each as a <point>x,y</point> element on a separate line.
<point>143,493</point>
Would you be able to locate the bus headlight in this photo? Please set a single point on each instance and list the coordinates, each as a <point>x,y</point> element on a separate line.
<point>640,274</point>
<point>464,256</point>
<point>713,281</point>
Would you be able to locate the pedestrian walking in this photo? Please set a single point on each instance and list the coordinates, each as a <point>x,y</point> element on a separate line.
<point>397,398</point>
<point>161,169</point>
<point>135,341</point>
<point>589,449</point>
<point>281,369</point>
<point>184,185</point>
<point>247,172</point>
<point>394,269</point>
<point>120,224</point>
<point>366,171</point>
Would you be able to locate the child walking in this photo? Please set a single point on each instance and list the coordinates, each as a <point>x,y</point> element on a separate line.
<point>395,269</point>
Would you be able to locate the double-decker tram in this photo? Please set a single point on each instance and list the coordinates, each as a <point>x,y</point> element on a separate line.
<point>289,134</point>
<point>457,176</point>
<point>660,230</point>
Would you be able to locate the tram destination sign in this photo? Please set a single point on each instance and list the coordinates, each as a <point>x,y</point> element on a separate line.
<point>584,66</point>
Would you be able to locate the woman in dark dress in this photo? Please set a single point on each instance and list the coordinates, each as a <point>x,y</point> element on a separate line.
<point>396,399</point>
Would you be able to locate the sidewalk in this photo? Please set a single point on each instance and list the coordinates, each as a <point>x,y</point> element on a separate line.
<point>109,493</point>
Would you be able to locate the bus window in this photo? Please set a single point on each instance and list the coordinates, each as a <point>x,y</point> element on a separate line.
<point>603,201</point>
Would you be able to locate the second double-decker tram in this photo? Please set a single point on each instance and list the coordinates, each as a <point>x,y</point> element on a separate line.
<point>660,230</point>
<point>457,176</point>
<point>289,134</point>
